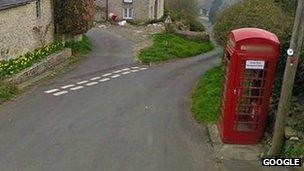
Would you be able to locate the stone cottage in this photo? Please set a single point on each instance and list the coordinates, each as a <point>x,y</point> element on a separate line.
<point>138,10</point>
<point>24,26</point>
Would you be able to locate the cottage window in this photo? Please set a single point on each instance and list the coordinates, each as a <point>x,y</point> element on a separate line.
<point>128,13</point>
<point>38,8</point>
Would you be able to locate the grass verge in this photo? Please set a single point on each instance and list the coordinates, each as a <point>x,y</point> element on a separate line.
<point>7,91</point>
<point>80,47</point>
<point>170,46</point>
<point>206,96</point>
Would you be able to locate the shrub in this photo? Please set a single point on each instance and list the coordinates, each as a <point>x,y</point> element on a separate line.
<point>73,16</point>
<point>185,11</point>
<point>253,13</point>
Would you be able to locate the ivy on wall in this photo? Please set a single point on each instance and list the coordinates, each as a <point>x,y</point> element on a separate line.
<point>73,16</point>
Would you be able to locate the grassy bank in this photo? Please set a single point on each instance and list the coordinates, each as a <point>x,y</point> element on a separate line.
<point>81,47</point>
<point>170,46</point>
<point>7,91</point>
<point>206,96</point>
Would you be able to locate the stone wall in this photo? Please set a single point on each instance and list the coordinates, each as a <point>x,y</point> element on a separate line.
<point>43,66</point>
<point>21,31</point>
<point>99,10</point>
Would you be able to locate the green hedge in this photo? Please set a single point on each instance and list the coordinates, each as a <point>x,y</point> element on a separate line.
<point>253,13</point>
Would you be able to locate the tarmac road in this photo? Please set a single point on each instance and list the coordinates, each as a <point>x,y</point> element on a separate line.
<point>109,113</point>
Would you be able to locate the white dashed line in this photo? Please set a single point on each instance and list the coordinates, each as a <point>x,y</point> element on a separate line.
<point>68,86</point>
<point>108,74</point>
<point>104,80</point>
<point>125,73</point>
<point>116,76</point>
<point>60,93</point>
<point>76,88</point>
<point>118,71</point>
<point>95,78</point>
<point>82,82</point>
<point>126,69</point>
<point>92,83</point>
<point>51,91</point>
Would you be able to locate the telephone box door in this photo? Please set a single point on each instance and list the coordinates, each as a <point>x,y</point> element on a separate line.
<point>252,93</point>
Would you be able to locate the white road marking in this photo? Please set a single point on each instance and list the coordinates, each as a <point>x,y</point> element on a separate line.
<point>60,93</point>
<point>68,86</point>
<point>116,76</point>
<point>108,74</point>
<point>125,73</point>
<point>104,80</point>
<point>76,88</point>
<point>92,83</point>
<point>51,91</point>
<point>82,82</point>
<point>126,69</point>
<point>95,78</point>
<point>118,71</point>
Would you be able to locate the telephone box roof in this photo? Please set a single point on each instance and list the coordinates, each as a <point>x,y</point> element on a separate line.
<point>253,33</point>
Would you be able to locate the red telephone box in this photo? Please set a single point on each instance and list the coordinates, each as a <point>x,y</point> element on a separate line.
<point>250,60</point>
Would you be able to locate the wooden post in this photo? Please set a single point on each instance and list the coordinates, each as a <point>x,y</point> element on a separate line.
<point>288,80</point>
<point>107,10</point>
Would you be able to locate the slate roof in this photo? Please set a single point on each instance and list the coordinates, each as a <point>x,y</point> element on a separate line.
<point>4,4</point>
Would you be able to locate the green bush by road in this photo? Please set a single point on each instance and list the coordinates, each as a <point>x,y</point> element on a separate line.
<point>206,96</point>
<point>169,46</point>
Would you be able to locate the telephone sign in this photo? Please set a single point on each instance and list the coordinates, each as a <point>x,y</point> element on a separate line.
<point>253,64</point>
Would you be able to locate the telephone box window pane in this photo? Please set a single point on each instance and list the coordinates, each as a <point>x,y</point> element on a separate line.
<point>250,73</point>
<point>248,127</point>
<point>249,92</point>
<point>250,101</point>
<point>246,122</point>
